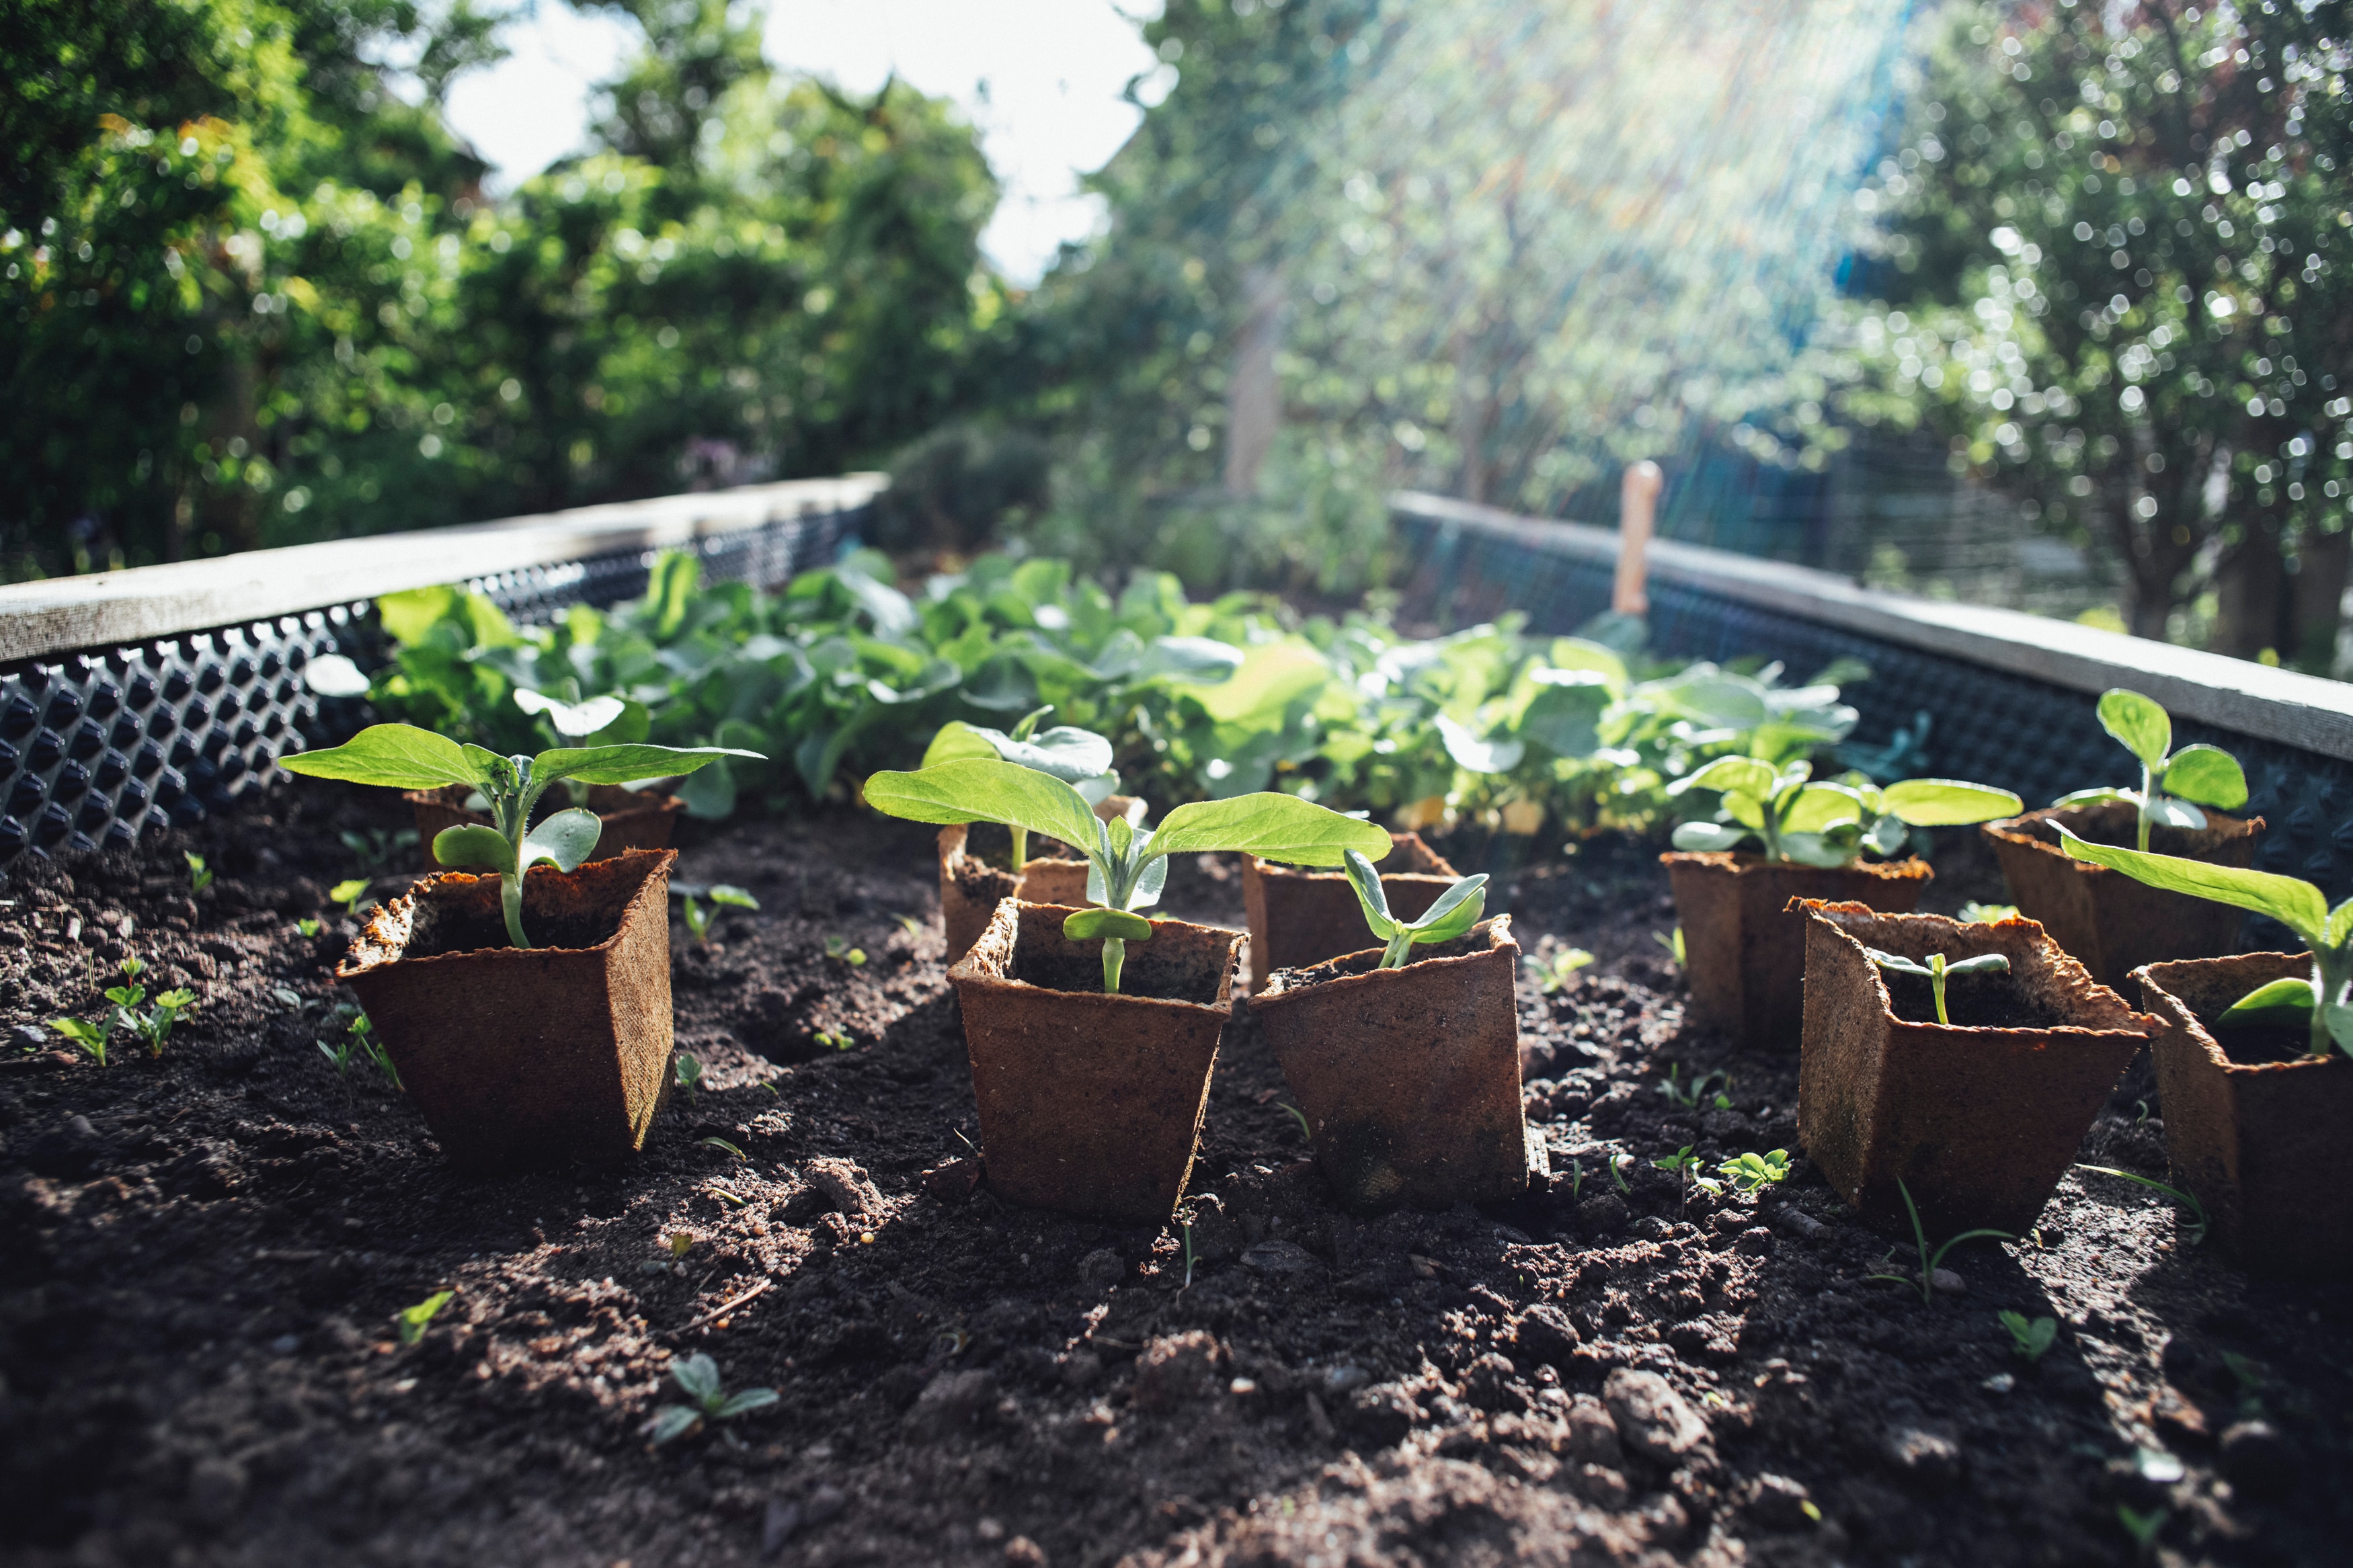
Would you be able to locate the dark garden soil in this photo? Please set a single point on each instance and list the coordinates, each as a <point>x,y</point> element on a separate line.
<point>201,1259</point>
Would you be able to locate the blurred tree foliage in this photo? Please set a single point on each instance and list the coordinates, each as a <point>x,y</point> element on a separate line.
<point>250,295</point>
<point>2117,244</point>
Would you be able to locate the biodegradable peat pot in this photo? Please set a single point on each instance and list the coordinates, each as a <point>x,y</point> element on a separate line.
<point>1299,917</point>
<point>1091,1103</point>
<point>1744,950</point>
<point>1410,1077</point>
<point>2111,923</point>
<point>527,1056</point>
<point>2253,1127</point>
<point>971,888</point>
<point>1979,1118</point>
<point>632,820</point>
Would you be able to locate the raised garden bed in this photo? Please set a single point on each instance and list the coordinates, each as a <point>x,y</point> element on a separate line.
<point>202,1257</point>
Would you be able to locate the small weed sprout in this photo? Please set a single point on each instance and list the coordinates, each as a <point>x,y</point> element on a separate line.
<point>1553,974</point>
<point>698,923</point>
<point>200,876</point>
<point>840,947</point>
<point>2029,1338</point>
<point>1936,969</point>
<point>697,1376</point>
<point>155,1023</point>
<point>362,1032</point>
<point>1710,1088</point>
<point>308,925</point>
<point>1974,913</point>
<point>1683,1162</point>
<point>834,1040</point>
<point>909,924</point>
<point>722,1146</point>
<point>1617,1163</point>
<point>2143,1528</point>
<point>1929,1261</point>
<point>1755,1172</point>
<point>1306,1133</point>
<point>2194,1229</point>
<point>340,1054</point>
<point>679,1243</point>
<point>414,1320</point>
<point>688,1072</point>
<point>350,894</point>
<point>91,1038</point>
<point>1673,944</point>
<point>1189,1252</point>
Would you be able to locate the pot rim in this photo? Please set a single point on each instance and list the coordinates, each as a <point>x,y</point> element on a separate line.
<point>1739,862</point>
<point>2142,1025</point>
<point>652,885</point>
<point>2170,1007</point>
<point>1279,992</point>
<point>1446,877</point>
<point>966,971</point>
<point>2008,829</point>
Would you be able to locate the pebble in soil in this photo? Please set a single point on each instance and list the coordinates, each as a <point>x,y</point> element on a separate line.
<point>202,1257</point>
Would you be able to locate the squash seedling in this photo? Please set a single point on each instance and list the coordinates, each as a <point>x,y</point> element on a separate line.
<point>414,1320</point>
<point>1457,910</point>
<point>1811,822</point>
<point>1930,1261</point>
<point>2029,1340</point>
<point>2194,1231</point>
<point>2170,779</point>
<point>1754,1173</point>
<point>2318,1006</point>
<point>401,756</point>
<point>1080,758</point>
<point>1935,971</point>
<point>697,1376</point>
<point>1126,865</point>
<point>200,876</point>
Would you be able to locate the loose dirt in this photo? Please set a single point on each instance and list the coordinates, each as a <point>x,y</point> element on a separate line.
<point>202,1257</point>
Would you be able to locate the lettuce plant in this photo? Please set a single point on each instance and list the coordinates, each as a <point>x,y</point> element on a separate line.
<point>1810,822</point>
<point>2170,779</point>
<point>401,756</point>
<point>2317,1005</point>
<point>1126,865</point>
<point>1457,910</point>
<point>1935,971</point>
<point>1080,758</point>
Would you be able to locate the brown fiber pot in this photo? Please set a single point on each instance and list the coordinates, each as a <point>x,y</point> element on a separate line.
<point>1409,1076</point>
<point>2255,1142</point>
<point>971,888</point>
<point>2111,923</point>
<point>1091,1103</point>
<point>631,821</point>
<point>1978,1122</point>
<point>527,1056</point>
<point>1745,951</point>
<point>1299,917</point>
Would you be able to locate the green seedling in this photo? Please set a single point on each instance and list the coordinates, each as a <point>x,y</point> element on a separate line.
<point>688,1072</point>
<point>1935,971</point>
<point>733,897</point>
<point>200,876</point>
<point>414,1320</point>
<point>2318,1006</point>
<point>834,1041</point>
<point>1126,865</point>
<point>909,924</point>
<point>1826,823</point>
<point>1682,1162</point>
<point>1974,913</point>
<point>839,947</point>
<point>1306,1133</point>
<point>308,925</point>
<point>153,1024</point>
<point>350,894</point>
<point>2194,1231</point>
<point>2030,1338</point>
<point>91,1038</point>
<point>1080,758</point>
<point>2143,1528</point>
<point>375,849</point>
<point>1555,973</point>
<point>1188,1255</point>
<point>697,1377</point>
<point>721,1144</point>
<point>360,1030</point>
<point>1673,943</point>
<point>401,756</point>
<point>1931,1261</point>
<point>1698,1091</point>
<point>1457,910</point>
<point>2170,779</point>
<point>698,923</point>
<point>1754,1173</point>
<point>340,1054</point>
<point>1576,1180</point>
<point>1617,1163</point>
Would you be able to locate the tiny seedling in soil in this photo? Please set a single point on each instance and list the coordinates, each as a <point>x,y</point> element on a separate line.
<point>2194,1231</point>
<point>697,1377</point>
<point>1080,758</point>
<point>1673,944</point>
<point>834,1041</point>
<point>1696,1093</point>
<point>2170,779</point>
<point>690,1073</point>
<point>1555,973</point>
<point>1457,910</point>
<point>2032,1338</point>
<point>2318,1006</point>
<point>414,1320</point>
<point>1188,1255</point>
<point>1826,823</point>
<point>91,1038</point>
<point>1930,1261</point>
<point>1682,1162</point>
<point>698,919</point>
<point>1617,1163</point>
<point>1306,1132</point>
<point>698,923</point>
<point>679,1243</point>
<point>340,1054</point>
<point>1754,1173</point>
<point>2143,1528</point>
<point>155,1023</point>
<point>909,924</point>
<point>350,894</point>
<point>839,947</point>
<point>1126,865</point>
<point>200,876</point>
<point>401,756</point>
<point>721,1144</point>
<point>1936,969</point>
<point>361,1031</point>
<point>1974,913</point>
<point>307,925</point>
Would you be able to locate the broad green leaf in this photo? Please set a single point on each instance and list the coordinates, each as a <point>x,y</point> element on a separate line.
<point>1887,834</point>
<point>577,719</point>
<point>471,843</point>
<point>1947,803</point>
<point>1088,924</point>
<point>710,793</point>
<point>1457,910</point>
<point>1065,752</point>
<point>698,1374</point>
<point>621,764</point>
<point>394,756</point>
<point>1816,849</point>
<point>1370,895</point>
<point>567,838</point>
<point>1819,805</point>
<point>956,741</point>
<point>1709,838</point>
<point>1733,776</point>
<point>412,613</point>
<point>1479,756</point>
<point>979,789</point>
<point>1563,717</point>
<point>2138,723</point>
<point>1269,677</point>
<point>1281,828</point>
<point>2296,904</point>
<point>2209,775</point>
<point>2340,925</point>
<point>1195,659</point>
<point>1720,701</point>
<point>1583,655</point>
<point>2286,1001</point>
<point>2099,794</point>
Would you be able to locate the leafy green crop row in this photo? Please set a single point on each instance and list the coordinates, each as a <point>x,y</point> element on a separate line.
<point>841,674</point>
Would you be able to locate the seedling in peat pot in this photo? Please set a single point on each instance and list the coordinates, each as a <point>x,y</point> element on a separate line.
<point>1555,973</point>
<point>2170,779</point>
<point>1935,970</point>
<point>1457,910</point>
<point>2194,1230</point>
<point>1126,865</point>
<point>2030,1338</point>
<point>2319,1005</point>
<point>1754,1173</point>
<point>401,756</point>
<point>414,1320</point>
<point>697,1377</point>
<point>1826,823</point>
<point>1930,1261</point>
<point>1080,758</point>
<point>200,876</point>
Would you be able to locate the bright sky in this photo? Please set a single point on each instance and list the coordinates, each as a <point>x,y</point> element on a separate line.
<point>1042,79</point>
